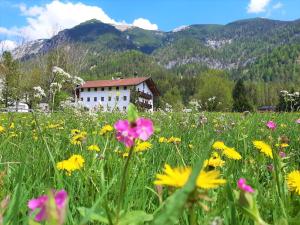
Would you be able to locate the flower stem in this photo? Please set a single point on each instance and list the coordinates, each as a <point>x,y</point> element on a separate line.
<point>123,185</point>
<point>192,215</point>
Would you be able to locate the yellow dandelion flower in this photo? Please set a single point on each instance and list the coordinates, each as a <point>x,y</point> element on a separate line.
<point>54,126</point>
<point>293,181</point>
<point>283,145</point>
<point>162,140</point>
<point>12,125</point>
<point>231,153</point>
<point>283,125</point>
<point>126,154</point>
<point>78,138</point>
<point>219,145</point>
<point>94,148</point>
<point>74,132</point>
<point>214,161</point>
<point>75,162</point>
<point>174,140</point>
<point>142,146</point>
<point>191,146</point>
<point>264,148</point>
<point>2,129</point>
<point>106,129</point>
<point>178,177</point>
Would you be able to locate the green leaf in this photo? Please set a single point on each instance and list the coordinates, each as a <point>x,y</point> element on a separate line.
<point>173,207</point>
<point>135,218</point>
<point>90,215</point>
<point>132,113</point>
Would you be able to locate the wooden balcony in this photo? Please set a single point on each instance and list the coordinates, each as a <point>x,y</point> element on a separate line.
<point>145,105</point>
<point>144,95</point>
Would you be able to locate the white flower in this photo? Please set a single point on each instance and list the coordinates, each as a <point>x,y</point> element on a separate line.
<point>54,87</point>
<point>38,92</point>
<point>77,80</point>
<point>61,73</point>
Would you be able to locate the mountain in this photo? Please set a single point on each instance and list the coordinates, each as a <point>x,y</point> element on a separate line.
<point>235,46</point>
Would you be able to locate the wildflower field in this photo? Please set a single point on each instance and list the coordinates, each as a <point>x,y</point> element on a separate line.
<point>174,168</point>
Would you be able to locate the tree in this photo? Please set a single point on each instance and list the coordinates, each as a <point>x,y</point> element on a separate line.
<point>11,77</point>
<point>241,102</point>
<point>213,89</point>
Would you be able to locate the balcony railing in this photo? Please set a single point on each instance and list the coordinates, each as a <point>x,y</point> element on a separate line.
<point>145,105</point>
<point>144,95</point>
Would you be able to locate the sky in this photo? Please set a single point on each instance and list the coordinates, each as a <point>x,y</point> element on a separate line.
<point>26,20</point>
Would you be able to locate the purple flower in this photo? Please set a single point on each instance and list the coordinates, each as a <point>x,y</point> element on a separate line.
<point>271,125</point>
<point>125,133</point>
<point>282,154</point>
<point>270,167</point>
<point>144,128</point>
<point>243,186</point>
<point>298,121</point>
<point>41,204</point>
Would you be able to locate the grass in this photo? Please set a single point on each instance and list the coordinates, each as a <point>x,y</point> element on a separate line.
<point>28,166</point>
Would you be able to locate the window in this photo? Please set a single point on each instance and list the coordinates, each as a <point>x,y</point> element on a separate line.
<point>143,86</point>
<point>138,89</point>
<point>109,98</point>
<point>88,99</point>
<point>89,89</point>
<point>117,98</point>
<point>95,89</point>
<point>82,89</point>
<point>95,99</point>
<point>124,108</point>
<point>102,89</point>
<point>124,98</point>
<point>109,88</point>
<point>117,88</point>
<point>81,99</point>
<point>102,99</point>
<point>125,87</point>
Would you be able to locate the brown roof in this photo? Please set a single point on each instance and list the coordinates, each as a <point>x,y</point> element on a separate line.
<point>121,82</point>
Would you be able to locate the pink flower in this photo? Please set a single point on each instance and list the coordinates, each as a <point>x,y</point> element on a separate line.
<point>125,132</point>
<point>243,186</point>
<point>298,121</point>
<point>41,204</point>
<point>271,125</point>
<point>144,128</point>
<point>128,132</point>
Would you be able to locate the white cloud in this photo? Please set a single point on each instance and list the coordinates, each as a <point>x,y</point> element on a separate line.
<point>7,45</point>
<point>278,5</point>
<point>258,6</point>
<point>144,24</point>
<point>46,20</point>
<point>9,32</point>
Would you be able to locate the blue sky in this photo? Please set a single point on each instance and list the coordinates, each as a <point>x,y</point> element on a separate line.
<point>33,19</point>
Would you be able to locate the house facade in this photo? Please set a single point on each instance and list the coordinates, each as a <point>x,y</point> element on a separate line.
<point>116,94</point>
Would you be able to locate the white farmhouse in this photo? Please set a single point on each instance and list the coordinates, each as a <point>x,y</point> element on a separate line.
<point>116,94</point>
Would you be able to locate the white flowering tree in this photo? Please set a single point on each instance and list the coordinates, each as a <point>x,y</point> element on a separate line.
<point>62,79</point>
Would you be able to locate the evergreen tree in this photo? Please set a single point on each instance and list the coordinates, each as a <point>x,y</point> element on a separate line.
<point>240,100</point>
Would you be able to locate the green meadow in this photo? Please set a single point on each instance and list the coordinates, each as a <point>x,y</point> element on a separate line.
<point>100,192</point>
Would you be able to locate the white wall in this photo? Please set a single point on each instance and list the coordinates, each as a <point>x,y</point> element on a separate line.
<point>107,105</point>
<point>113,104</point>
